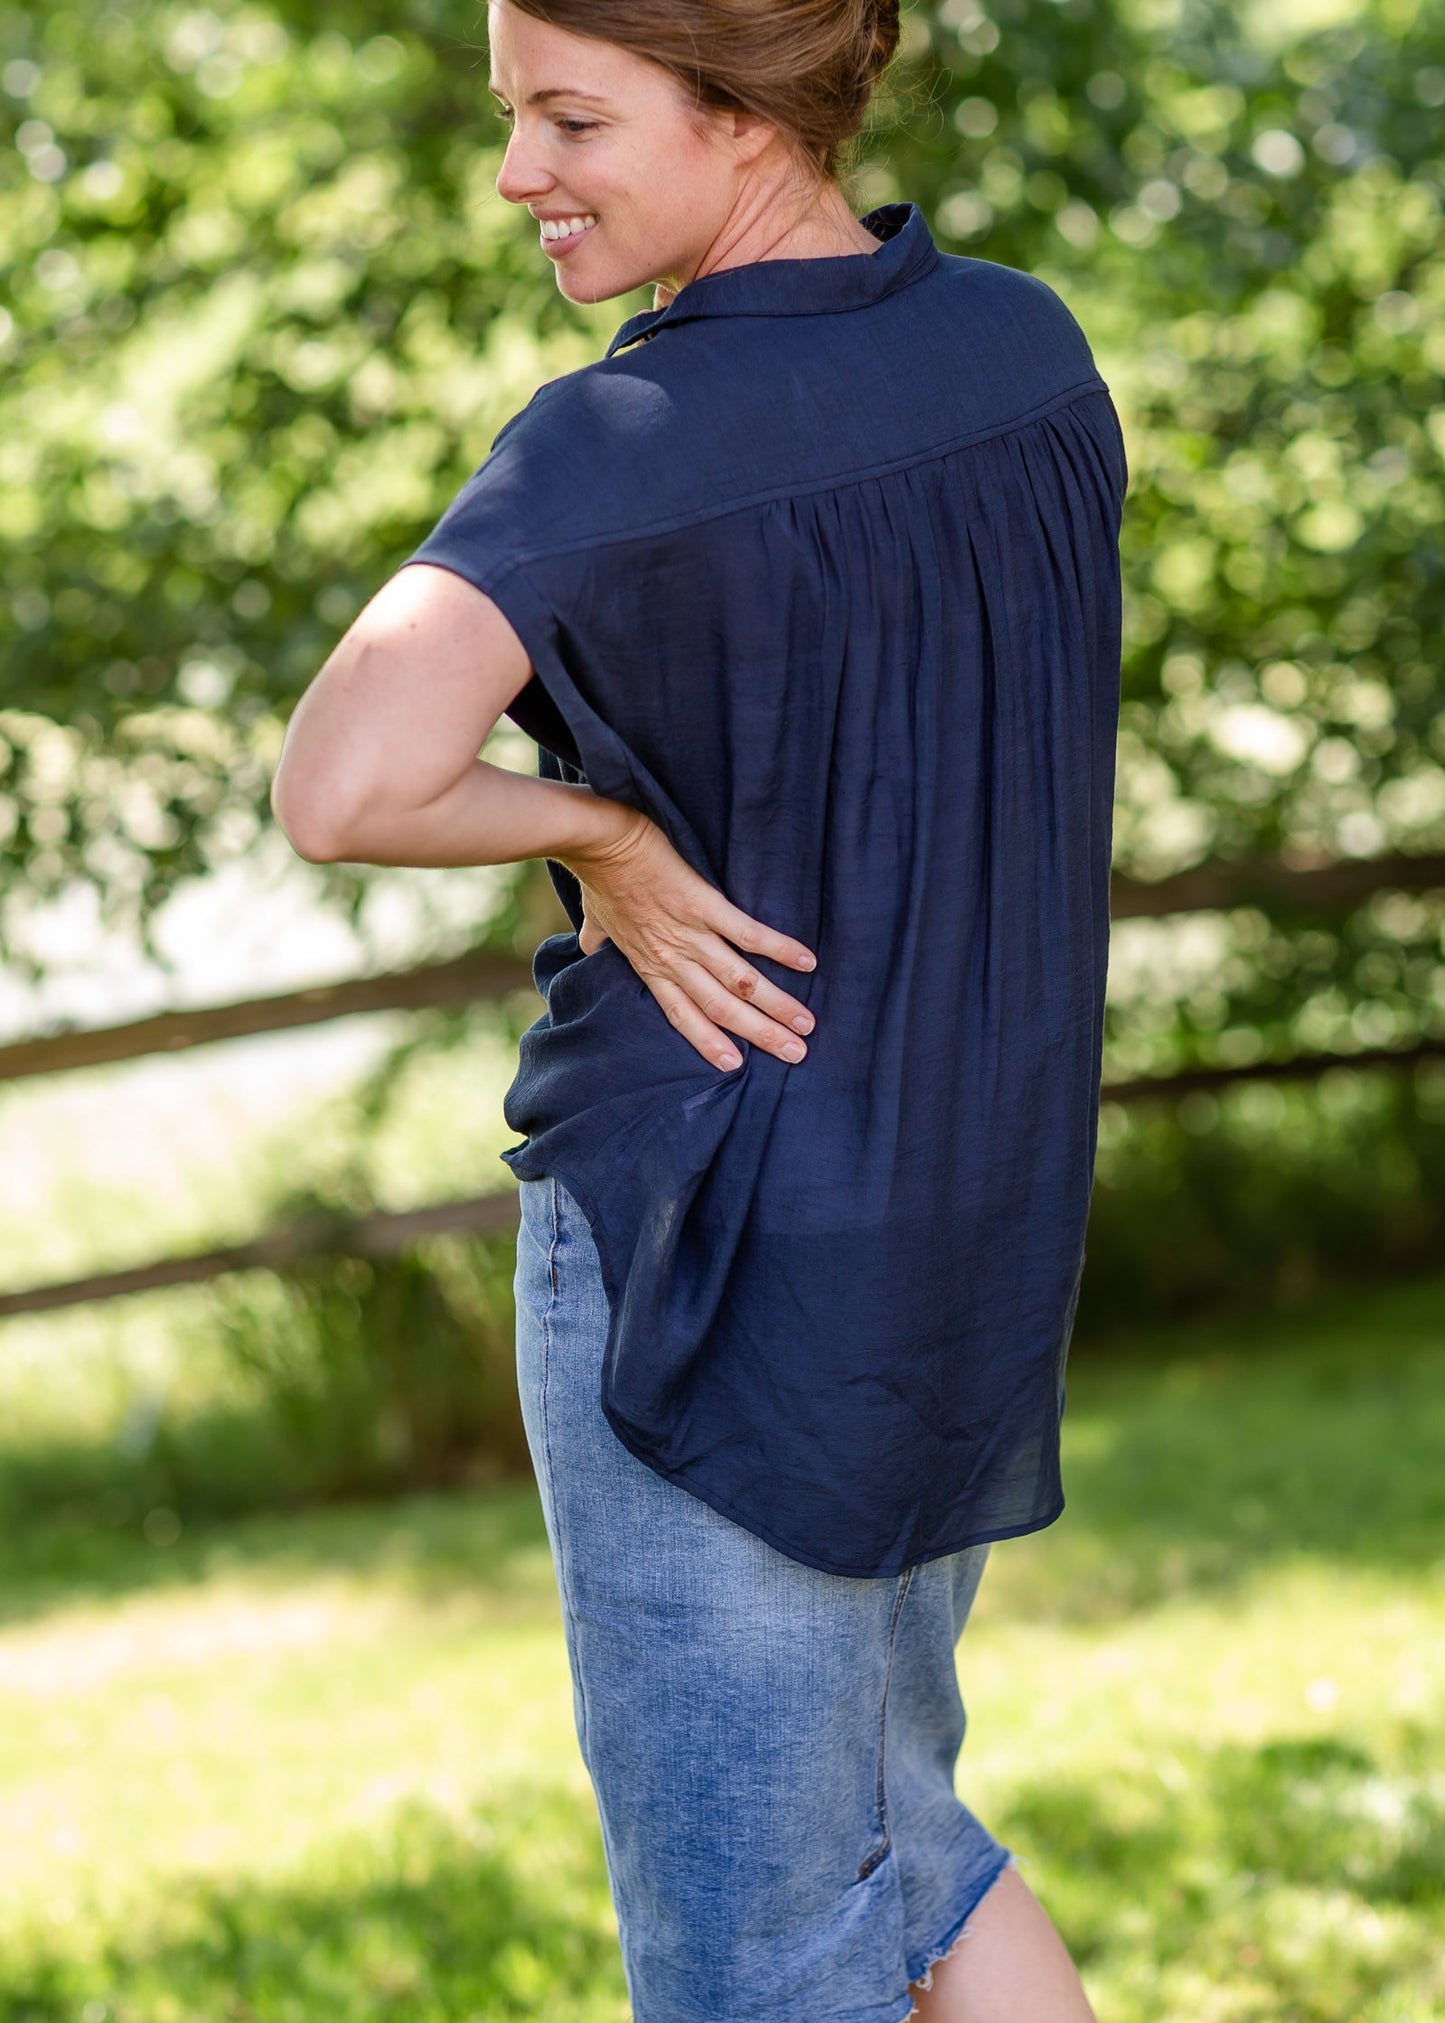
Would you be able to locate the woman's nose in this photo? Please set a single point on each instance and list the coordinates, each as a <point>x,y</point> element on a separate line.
<point>522,176</point>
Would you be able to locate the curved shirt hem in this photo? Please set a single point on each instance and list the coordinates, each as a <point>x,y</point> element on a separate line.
<point>891,1566</point>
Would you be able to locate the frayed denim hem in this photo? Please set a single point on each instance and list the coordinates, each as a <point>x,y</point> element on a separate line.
<point>923,1978</point>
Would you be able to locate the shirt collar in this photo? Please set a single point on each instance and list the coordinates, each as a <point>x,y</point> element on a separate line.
<point>802,287</point>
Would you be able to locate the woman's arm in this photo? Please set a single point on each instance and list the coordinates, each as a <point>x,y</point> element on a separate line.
<point>380,761</point>
<point>380,766</point>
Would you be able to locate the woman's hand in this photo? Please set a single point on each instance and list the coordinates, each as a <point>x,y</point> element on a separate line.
<point>682,937</point>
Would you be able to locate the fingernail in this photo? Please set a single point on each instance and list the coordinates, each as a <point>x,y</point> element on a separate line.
<point>792,1050</point>
<point>808,962</point>
<point>802,1023</point>
<point>729,1060</point>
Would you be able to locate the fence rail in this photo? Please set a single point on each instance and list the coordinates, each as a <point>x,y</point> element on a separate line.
<point>384,1235</point>
<point>481,975</point>
<point>1296,1068</point>
<point>467,978</point>
<point>378,1235</point>
<point>1268,883</point>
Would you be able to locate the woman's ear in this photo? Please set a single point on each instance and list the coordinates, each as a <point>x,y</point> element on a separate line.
<point>750,134</point>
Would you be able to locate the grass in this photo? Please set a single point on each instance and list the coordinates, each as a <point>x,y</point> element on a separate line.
<point>323,1767</point>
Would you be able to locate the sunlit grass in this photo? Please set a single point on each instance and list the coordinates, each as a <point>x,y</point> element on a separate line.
<point>325,1767</point>
<point>320,1767</point>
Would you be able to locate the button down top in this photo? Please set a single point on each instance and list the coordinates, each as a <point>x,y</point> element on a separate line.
<point>818,567</point>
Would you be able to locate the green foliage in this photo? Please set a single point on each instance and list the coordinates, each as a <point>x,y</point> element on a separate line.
<point>268,311</point>
<point>267,314</point>
<point>337,1378</point>
<point>1265,1194</point>
<point>1247,219</point>
<point>1253,237</point>
<point>380,1374</point>
<point>434,1919</point>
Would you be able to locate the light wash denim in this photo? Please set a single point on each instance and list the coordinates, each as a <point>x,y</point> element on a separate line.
<point>772,1747</point>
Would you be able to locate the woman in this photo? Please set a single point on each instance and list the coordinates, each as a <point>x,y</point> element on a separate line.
<point>808,591</point>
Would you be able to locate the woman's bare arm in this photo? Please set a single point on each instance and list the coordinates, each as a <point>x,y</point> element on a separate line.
<point>380,762</point>
<point>380,766</point>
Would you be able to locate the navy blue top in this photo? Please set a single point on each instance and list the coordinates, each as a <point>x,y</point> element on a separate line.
<point>818,567</point>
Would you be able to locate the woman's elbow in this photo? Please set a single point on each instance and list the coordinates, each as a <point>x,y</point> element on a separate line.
<point>315,827</point>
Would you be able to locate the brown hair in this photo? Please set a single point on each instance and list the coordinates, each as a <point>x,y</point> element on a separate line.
<point>809,67</point>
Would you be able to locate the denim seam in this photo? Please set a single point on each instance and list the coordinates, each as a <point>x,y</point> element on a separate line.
<point>885,1841</point>
<point>564,1580</point>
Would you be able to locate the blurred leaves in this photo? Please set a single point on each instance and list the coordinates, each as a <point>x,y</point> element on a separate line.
<point>266,311</point>
<point>1252,238</point>
<point>381,1373</point>
<point>1267,1193</point>
<point>1245,214</point>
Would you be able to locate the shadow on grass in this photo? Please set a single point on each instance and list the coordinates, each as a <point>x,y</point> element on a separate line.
<point>1305,1870</point>
<point>503,1914</point>
<point>1251,1873</point>
<point>490,1543</point>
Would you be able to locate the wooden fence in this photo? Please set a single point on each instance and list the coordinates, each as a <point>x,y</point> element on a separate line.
<point>1328,888</point>
<point>1274,886</point>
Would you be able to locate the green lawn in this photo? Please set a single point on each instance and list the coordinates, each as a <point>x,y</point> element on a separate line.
<point>323,1769</point>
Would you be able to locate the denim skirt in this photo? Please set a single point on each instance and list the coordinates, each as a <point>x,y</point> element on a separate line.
<point>772,1748</point>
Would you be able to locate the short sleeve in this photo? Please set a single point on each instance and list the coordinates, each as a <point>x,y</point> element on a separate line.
<point>500,534</point>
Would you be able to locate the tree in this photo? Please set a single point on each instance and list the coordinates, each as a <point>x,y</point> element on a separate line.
<point>268,312</point>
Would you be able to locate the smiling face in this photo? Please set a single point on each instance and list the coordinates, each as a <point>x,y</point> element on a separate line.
<point>604,138</point>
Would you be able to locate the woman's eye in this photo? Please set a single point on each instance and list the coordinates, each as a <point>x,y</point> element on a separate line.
<point>567,125</point>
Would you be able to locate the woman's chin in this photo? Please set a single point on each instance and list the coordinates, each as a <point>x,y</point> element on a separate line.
<point>582,287</point>
<point>583,281</point>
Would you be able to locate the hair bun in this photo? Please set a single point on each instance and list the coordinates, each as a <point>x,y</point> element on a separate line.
<point>880,30</point>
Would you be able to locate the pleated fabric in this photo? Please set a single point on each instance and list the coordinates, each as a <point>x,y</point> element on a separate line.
<point>819,568</point>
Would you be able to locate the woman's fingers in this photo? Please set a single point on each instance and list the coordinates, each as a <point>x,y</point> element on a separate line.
<point>722,1008</point>
<point>708,999</point>
<point>682,1013</point>
<point>683,937</point>
<point>756,936</point>
<point>704,1010</point>
<point>746,982</point>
